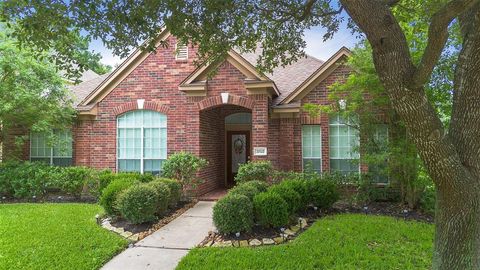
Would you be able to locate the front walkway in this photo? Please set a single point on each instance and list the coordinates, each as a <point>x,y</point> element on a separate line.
<point>164,248</point>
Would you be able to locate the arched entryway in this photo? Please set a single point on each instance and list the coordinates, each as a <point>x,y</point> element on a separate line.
<point>225,141</point>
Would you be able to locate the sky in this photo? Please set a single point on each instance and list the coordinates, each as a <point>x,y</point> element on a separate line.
<point>313,37</point>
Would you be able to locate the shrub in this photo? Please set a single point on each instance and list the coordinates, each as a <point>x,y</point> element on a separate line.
<point>322,193</point>
<point>26,179</point>
<point>163,195</point>
<point>72,180</point>
<point>291,197</point>
<point>183,167</point>
<point>427,200</point>
<point>145,178</point>
<point>259,185</point>
<point>111,192</point>
<point>300,186</point>
<point>270,209</point>
<point>257,170</point>
<point>233,213</point>
<point>245,189</point>
<point>175,191</point>
<point>138,203</point>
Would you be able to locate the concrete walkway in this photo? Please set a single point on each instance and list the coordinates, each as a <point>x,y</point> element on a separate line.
<point>163,249</point>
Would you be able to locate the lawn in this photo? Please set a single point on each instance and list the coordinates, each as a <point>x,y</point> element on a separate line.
<point>347,241</point>
<point>54,236</point>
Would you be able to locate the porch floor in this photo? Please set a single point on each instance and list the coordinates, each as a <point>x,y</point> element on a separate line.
<point>214,195</point>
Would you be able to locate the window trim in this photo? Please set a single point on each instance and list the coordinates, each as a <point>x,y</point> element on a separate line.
<point>321,148</point>
<point>142,140</point>
<point>51,157</point>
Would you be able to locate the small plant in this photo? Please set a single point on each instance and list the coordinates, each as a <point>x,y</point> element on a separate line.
<point>175,190</point>
<point>427,200</point>
<point>291,197</point>
<point>110,193</point>
<point>322,193</point>
<point>256,170</point>
<point>163,195</point>
<point>233,213</point>
<point>183,166</point>
<point>138,203</point>
<point>271,210</point>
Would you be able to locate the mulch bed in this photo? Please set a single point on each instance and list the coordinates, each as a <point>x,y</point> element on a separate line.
<point>375,208</point>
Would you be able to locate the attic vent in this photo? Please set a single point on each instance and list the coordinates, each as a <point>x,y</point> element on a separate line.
<point>181,52</point>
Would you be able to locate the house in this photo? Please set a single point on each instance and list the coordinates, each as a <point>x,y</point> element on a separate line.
<point>155,104</point>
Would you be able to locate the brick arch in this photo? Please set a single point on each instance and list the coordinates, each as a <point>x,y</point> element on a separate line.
<point>148,105</point>
<point>216,101</point>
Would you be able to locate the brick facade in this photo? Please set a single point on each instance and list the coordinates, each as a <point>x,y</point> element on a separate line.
<point>197,123</point>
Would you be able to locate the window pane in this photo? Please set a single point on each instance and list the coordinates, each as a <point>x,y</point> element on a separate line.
<point>152,166</point>
<point>63,162</point>
<point>44,160</point>
<point>344,166</point>
<point>312,147</point>
<point>129,165</point>
<point>312,164</point>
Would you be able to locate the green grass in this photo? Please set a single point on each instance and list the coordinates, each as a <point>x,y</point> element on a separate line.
<point>54,236</point>
<point>344,241</point>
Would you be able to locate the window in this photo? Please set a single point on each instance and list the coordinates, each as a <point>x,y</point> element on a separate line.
<point>378,171</point>
<point>312,147</point>
<point>181,52</point>
<point>344,143</point>
<point>58,152</point>
<point>141,141</point>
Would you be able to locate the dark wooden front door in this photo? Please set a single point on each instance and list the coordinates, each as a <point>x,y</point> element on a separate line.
<point>238,152</point>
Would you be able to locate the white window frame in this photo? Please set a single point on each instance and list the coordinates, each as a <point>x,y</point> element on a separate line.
<point>177,45</point>
<point>311,145</point>
<point>142,139</point>
<point>341,123</point>
<point>51,157</point>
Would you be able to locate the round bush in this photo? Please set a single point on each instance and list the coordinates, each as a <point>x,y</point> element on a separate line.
<point>175,191</point>
<point>110,193</point>
<point>322,194</point>
<point>254,170</point>
<point>291,197</point>
<point>163,195</point>
<point>259,185</point>
<point>270,209</point>
<point>243,189</point>
<point>300,186</point>
<point>138,203</point>
<point>233,213</point>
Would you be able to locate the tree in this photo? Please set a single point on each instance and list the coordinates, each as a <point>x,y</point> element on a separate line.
<point>450,153</point>
<point>32,93</point>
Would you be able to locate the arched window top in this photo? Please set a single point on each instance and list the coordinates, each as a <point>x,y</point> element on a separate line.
<point>239,118</point>
<point>142,119</point>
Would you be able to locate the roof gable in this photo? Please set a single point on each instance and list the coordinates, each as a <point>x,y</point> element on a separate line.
<point>316,77</point>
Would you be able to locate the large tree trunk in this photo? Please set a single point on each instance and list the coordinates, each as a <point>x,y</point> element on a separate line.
<point>452,159</point>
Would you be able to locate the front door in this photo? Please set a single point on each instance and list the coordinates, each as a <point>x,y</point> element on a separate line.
<point>238,152</point>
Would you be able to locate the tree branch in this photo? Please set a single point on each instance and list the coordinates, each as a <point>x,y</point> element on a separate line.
<point>437,38</point>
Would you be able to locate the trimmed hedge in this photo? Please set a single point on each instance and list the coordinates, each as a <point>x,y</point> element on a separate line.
<point>271,210</point>
<point>138,203</point>
<point>259,185</point>
<point>256,170</point>
<point>233,213</point>
<point>163,195</point>
<point>291,197</point>
<point>245,189</point>
<point>110,193</point>
<point>299,186</point>
<point>175,190</point>
<point>322,193</point>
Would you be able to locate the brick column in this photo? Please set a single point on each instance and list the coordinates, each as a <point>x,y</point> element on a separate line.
<point>81,142</point>
<point>286,144</point>
<point>260,124</point>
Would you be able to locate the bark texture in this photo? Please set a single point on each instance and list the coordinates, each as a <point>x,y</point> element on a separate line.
<point>451,158</point>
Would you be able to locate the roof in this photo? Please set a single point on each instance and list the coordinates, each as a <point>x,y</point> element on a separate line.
<point>82,90</point>
<point>288,78</point>
<point>289,82</point>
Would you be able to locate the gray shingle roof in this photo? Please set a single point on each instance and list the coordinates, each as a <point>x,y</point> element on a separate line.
<point>290,77</point>
<point>81,90</point>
